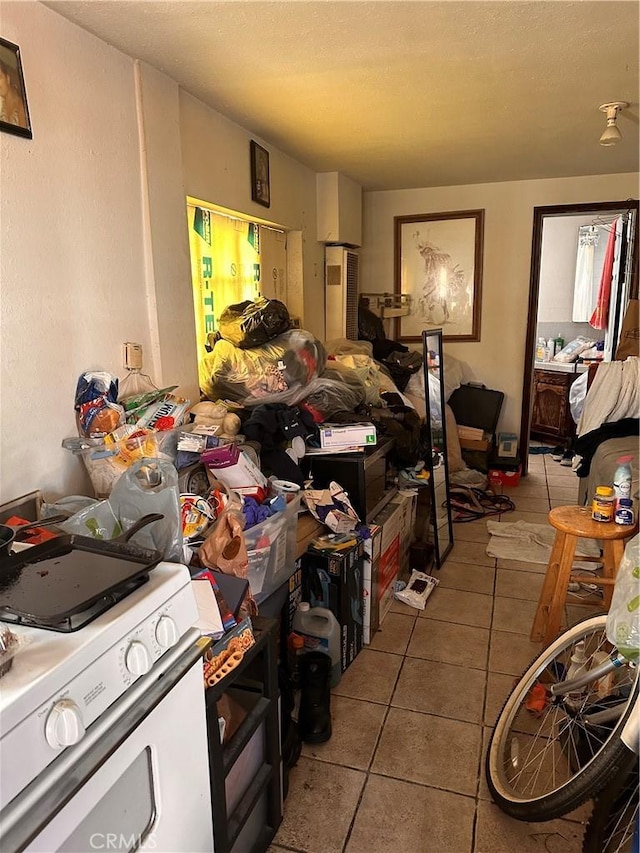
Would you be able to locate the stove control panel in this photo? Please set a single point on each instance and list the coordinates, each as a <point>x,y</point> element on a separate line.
<point>64,725</point>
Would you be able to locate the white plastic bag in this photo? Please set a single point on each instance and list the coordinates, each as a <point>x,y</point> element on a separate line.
<point>418,590</point>
<point>623,622</point>
<point>149,486</point>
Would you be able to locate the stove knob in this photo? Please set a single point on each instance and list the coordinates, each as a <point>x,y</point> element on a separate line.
<point>137,659</point>
<point>166,632</point>
<point>64,725</point>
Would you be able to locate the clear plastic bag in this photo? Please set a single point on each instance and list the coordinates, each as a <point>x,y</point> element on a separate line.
<point>97,520</point>
<point>337,390</point>
<point>623,621</point>
<point>357,356</point>
<point>573,349</point>
<point>277,372</point>
<point>148,486</point>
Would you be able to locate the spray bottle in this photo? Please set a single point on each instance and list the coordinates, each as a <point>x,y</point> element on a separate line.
<point>622,478</point>
<point>577,667</point>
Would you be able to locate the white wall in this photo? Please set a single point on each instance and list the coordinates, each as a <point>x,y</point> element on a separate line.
<point>71,259</point>
<point>498,358</point>
<point>215,155</point>
<point>93,244</point>
<point>558,267</point>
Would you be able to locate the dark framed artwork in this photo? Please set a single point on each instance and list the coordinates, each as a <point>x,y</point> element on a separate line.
<point>438,264</point>
<point>260,188</point>
<point>14,112</point>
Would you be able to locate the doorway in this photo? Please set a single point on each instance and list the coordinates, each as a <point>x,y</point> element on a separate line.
<point>620,215</point>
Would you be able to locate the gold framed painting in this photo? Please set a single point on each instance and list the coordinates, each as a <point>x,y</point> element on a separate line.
<point>438,264</point>
<point>14,112</point>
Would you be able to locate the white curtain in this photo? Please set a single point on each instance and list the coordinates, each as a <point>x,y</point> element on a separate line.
<point>584,290</point>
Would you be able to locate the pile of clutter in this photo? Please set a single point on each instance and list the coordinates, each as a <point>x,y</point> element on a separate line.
<point>226,473</point>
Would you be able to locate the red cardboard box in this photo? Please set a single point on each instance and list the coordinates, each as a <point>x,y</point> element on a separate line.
<point>504,478</point>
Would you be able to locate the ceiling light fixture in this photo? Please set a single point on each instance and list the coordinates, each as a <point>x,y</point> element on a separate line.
<point>611,134</point>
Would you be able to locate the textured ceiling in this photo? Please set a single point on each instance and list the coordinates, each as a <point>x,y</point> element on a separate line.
<point>401,94</point>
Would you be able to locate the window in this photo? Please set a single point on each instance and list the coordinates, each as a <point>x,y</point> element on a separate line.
<point>232,259</point>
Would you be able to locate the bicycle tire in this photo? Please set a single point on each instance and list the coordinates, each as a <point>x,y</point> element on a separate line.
<point>563,745</point>
<point>614,818</point>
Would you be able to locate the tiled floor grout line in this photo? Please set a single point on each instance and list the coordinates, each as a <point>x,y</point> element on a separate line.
<point>377,742</point>
<point>476,822</point>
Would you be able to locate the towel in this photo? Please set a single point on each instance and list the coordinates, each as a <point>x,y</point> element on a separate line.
<point>531,543</point>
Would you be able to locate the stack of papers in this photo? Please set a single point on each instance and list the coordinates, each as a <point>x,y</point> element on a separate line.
<point>209,619</point>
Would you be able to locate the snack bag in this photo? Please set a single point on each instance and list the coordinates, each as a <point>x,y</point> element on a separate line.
<point>98,413</point>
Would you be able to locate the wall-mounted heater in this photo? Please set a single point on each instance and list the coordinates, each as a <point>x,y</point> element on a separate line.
<point>341,293</point>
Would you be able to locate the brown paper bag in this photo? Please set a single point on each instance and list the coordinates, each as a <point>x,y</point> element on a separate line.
<point>629,343</point>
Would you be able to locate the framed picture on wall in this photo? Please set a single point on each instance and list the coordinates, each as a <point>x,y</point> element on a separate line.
<point>260,188</point>
<point>438,264</point>
<point>14,112</point>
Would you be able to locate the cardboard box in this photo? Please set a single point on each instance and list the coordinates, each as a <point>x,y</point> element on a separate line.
<point>408,504</point>
<point>351,435</point>
<point>389,568</point>
<point>477,444</point>
<point>370,615</point>
<point>335,581</point>
<point>294,597</point>
<point>507,444</point>
<point>502,477</point>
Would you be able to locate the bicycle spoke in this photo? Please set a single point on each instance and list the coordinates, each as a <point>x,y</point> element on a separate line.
<point>545,742</point>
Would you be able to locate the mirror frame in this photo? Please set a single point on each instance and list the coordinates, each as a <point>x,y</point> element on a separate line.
<point>539,215</point>
<point>440,553</point>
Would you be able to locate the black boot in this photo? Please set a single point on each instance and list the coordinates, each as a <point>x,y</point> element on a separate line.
<point>314,717</point>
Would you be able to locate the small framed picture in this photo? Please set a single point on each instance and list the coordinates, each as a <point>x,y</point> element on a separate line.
<point>14,113</point>
<point>260,190</point>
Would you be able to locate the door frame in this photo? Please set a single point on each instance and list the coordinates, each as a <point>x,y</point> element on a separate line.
<point>539,215</point>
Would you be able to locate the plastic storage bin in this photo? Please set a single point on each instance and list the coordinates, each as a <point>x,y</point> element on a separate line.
<point>106,462</point>
<point>271,547</point>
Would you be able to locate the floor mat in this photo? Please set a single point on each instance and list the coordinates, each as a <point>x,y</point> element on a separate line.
<point>531,543</point>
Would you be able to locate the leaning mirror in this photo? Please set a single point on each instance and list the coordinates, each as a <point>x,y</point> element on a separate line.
<point>440,527</point>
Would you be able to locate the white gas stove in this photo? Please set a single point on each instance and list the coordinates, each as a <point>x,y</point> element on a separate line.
<point>64,688</point>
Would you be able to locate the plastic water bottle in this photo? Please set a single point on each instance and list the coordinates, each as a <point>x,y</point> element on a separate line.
<point>622,478</point>
<point>321,633</point>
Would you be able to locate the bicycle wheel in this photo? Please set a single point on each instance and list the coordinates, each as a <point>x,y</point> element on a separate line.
<point>544,758</point>
<point>613,823</point>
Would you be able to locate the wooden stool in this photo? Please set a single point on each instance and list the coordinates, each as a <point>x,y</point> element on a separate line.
<point>572,523</point>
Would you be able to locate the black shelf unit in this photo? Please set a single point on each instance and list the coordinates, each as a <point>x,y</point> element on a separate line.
<point>249,824</point>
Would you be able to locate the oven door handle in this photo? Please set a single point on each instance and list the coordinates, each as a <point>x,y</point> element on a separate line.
<point>25,816</point>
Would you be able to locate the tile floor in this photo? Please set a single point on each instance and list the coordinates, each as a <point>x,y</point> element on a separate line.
<point>404,768</point>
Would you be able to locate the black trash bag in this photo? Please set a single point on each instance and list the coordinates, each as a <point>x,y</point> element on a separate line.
<point>370,326</point>
<point>251,324</point>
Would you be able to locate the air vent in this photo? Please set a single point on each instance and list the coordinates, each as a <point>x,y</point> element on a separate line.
<point>352,297</point>
<point>341,293</point>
